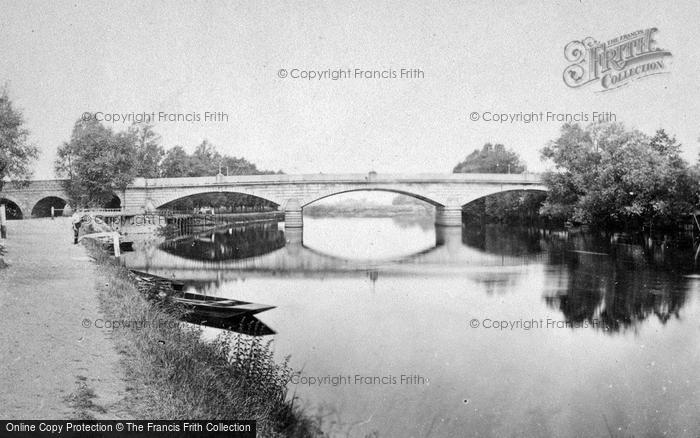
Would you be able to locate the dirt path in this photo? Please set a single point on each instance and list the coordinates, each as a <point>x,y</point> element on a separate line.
<point>47,295</point>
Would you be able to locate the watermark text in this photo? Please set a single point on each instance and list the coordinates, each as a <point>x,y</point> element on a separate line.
<point>495,116</point>
<point>338,74</point>
<point>533,324</point>
<point>359,379</point>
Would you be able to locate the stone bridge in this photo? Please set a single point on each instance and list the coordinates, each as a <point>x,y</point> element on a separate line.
<point>33,199</point>
<point>447,192</point>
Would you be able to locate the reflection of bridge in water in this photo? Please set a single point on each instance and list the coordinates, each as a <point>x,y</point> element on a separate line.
<point>294,259</point>
<point>579,267</point>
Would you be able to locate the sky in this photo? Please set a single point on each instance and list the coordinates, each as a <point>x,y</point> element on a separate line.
<point>62,59</point>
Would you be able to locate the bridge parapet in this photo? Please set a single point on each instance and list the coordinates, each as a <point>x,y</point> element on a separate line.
<point>336,178</point>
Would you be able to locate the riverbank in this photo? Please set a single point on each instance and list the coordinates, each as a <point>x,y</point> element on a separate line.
<point>175,374</point>
<point>53,364</point>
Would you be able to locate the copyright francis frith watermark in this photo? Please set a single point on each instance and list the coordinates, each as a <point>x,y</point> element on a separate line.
<point>616,62</point>
<point>534,324</point>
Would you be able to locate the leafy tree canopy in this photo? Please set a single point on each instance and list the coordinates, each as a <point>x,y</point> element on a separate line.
<point>491,159</point>
<point>99,162</point>
<point>206,161</point>
<point>149,152</point>
<point>608,175</point>
<point>16,153</point>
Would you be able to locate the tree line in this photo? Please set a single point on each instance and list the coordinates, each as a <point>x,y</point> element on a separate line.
<point>603,175</point>
<point>98,162</point>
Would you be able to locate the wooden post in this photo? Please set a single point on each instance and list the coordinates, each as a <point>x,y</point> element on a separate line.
<point>696,213</point>
<point>3,220</point>
<point>115,242</point>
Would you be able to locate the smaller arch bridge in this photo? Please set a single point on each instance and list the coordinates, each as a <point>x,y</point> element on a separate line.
<point>35,197</point>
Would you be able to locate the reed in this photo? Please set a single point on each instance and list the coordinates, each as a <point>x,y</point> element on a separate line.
<point>174,374</point>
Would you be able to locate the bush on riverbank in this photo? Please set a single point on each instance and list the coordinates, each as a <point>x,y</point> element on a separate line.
<point>614,178</point>
<point>178,375</point>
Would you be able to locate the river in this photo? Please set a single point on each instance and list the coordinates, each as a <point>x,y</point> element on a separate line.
<point>402,329</point>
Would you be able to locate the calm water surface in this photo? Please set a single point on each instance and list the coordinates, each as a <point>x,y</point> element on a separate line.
<point>496,331</point>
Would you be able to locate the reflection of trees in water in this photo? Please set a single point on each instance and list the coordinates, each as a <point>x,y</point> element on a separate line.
<point>608,294</point>
<point>608,281</point>
<point>424,220</point>
<point>511,241</point>
<point>230,243</point>
<point>615,286</point>
<point>516,246</point>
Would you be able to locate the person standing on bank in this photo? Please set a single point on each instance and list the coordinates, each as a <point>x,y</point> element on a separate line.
<point>76,221</point>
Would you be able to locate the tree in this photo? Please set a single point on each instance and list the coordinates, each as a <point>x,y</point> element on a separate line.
<point>176,163</point>
<point>206,161</point>
<point>16,153</point>
<point>491,159</point>
<point>149,152</point>
<point>97,162</point>
<point>609,176</point>
<point>501,207</point>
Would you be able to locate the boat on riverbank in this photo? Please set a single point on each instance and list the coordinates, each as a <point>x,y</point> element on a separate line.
<point>193,303</point>
<point>219,307</point>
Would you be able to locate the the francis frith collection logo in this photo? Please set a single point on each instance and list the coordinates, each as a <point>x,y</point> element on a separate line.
<point>616,62</point>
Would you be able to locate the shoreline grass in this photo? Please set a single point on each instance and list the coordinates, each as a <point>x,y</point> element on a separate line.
<point>174,374</point>
<point>81,400</point>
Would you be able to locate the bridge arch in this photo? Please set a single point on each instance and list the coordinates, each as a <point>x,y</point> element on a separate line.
<point>164,202</point>
<point>42,208</point>
<point>398,191</point>
<point>14,208</point>
<point>486,193</point>
<point>114,202</point>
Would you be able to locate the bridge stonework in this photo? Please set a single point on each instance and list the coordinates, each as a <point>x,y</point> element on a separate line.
<point>447,192</point>
<point>26,197</point>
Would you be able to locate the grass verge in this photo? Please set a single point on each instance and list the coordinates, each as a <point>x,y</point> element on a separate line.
<point>82,401</point>
<point>174,374</point>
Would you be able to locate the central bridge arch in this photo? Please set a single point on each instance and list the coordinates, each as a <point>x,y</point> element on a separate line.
<point>412,194</point>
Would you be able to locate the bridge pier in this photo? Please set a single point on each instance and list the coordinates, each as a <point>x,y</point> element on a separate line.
<point>294,236</point>
<point>450,238</point>
<point>295,239</point>
<point>293,217</point>
<point>449,215</point>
